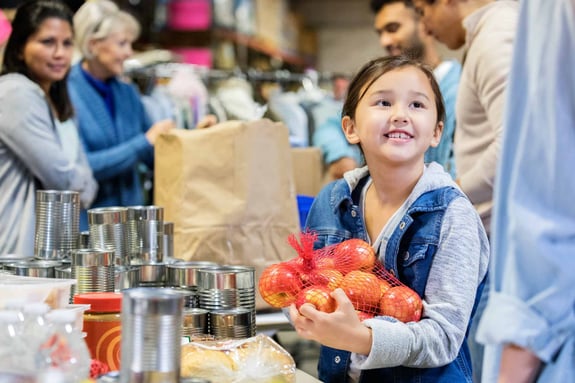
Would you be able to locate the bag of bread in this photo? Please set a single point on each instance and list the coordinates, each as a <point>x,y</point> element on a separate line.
<point>258,359</point>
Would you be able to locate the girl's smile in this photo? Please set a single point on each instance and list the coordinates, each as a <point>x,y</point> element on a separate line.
<point>396,118</point>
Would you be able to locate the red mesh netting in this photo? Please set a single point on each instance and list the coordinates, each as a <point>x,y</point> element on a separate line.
<point>351,265</point>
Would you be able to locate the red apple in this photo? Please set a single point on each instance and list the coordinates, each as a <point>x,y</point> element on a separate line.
<point>402,303</point>
<point>279,284</point>
<point>325,261</point>
<point>297,263</point>
<point>326,277</point>
<point>354,254</point>
<point>319,296</point>
<point>363,290</point>
<point>383,286</point>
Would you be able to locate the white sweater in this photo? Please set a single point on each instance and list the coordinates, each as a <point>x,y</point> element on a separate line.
<point>481,100</point>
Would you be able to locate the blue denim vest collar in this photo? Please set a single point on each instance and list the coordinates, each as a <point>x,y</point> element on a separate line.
<point>409,255</point>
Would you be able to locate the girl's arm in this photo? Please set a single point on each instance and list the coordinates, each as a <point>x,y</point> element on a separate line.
<point>459,265</point>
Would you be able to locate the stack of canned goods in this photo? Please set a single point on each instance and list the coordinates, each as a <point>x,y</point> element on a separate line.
<point>132,247</point>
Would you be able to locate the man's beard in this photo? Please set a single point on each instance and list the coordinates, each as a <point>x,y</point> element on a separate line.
<point>415,49</point>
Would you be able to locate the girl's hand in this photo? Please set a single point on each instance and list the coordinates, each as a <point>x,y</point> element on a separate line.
<point>341,329</point>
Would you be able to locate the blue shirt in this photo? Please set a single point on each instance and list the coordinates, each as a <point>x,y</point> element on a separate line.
<point>448,84</point>
<point>115,146</point>
<point>103,87</point>
<point>330,139</point>
<point>532,300</point>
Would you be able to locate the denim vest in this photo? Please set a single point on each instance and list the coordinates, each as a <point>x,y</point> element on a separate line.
<point>409,254</point>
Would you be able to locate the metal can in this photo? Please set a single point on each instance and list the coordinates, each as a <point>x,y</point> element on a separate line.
<point>151,335</point>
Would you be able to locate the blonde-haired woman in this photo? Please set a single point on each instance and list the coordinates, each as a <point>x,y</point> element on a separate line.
<point>115,130</point>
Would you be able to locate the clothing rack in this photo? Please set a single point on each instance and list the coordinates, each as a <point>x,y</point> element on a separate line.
<point>309,79</point>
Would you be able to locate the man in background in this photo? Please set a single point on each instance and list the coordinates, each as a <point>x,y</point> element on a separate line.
<point>486,29</point>
<point>401,32</point>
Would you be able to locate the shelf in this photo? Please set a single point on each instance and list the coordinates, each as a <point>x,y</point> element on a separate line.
<point>266,47</point>
<point>169,38</point>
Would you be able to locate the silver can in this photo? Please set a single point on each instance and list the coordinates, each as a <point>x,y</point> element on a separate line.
<point>151,335</point>
<point>57,223</point>
<point>145,227</point>
<point>108,230</point>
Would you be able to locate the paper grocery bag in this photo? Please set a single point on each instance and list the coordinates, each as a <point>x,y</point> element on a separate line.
<point>229,190</point>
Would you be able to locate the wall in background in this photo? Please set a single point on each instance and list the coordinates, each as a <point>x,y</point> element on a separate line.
<point>346,38</point>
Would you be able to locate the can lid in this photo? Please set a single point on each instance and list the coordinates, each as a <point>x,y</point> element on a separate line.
<point>100,301</point>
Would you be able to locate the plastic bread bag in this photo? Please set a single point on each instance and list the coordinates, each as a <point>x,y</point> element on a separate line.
<point>257,359</point>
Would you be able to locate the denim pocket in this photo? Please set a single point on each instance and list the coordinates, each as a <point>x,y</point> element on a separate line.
<point>414,253</point>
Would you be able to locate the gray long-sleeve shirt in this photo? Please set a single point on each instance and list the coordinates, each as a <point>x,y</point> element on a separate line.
<point>459,265</point>
<point>32,154</point>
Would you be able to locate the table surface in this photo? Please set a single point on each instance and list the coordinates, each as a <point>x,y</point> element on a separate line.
<point>272,321</point>
<point>304,377</point>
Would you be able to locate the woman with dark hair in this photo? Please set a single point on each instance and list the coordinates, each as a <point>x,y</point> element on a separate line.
<point>39,144</point>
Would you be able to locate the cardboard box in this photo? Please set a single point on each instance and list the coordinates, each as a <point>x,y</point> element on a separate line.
<point>308,170</point>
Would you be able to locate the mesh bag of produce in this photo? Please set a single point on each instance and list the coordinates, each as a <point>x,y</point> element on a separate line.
<point>351,265</point>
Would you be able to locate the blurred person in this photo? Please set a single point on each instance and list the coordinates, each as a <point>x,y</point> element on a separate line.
<point>530,315</point>
<point>486,29</point>
<point>422,227</point>
<point>39,143</point>
<point>401,32</point>
<point>116,131</point>
<point>339,155</point>
<point>339,85</point>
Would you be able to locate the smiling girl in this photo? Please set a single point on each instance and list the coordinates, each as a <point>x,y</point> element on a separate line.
<point>424,229</point>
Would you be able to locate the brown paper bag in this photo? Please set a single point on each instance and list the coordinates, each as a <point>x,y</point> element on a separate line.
<point>229,190</point>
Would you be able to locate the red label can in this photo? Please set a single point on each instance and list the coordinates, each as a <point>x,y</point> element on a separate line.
<point>103,326</point>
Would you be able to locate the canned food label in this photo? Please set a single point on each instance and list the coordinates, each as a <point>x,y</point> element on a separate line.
<point>104,340</point>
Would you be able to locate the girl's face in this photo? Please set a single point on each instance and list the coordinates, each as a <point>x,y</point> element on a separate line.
<point>110,53</point>
<point>48,52</point>
<point>396,119</point>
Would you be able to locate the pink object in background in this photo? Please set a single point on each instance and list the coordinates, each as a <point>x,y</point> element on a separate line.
<point>189,14</point>
<point>5,28</point>
<point>198,56</point>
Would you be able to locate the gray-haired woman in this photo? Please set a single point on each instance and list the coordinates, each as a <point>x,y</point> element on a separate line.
<point>115,130</point>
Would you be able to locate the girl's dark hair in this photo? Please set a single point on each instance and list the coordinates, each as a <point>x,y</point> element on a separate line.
<point>29,17</point>
<point>374,69</point>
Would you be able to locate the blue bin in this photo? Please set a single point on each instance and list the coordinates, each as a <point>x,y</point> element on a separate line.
<point>304,204</point>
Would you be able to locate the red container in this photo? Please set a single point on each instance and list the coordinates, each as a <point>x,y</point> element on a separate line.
<point>189,15</point>
<point>103,326</point>
<point>197,56</point>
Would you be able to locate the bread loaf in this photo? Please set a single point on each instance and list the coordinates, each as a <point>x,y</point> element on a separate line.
<point>254,360</point>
